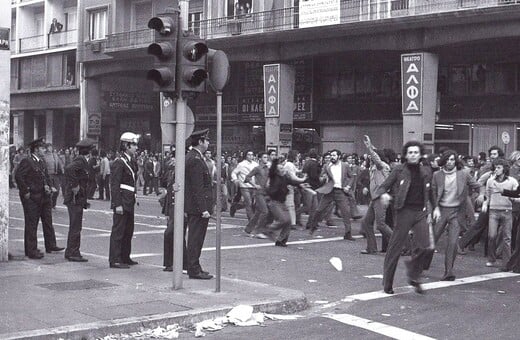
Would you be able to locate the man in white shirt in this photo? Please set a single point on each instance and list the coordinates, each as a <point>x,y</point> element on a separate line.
<point>246,189</point>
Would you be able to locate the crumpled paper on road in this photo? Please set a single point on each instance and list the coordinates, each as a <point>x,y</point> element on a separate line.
<point>241,315</point>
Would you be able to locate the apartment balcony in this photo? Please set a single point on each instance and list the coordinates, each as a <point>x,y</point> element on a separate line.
<point>46,42</point>
<point>128,43</point>
<point>350,12</point>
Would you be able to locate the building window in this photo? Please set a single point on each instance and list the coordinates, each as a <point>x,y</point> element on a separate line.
<point>239,8</point>
<point>194,22</point>
<point>97,24</point>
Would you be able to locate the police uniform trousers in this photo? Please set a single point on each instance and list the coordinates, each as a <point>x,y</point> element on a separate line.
<point>121,237</point>
<point>407,219</point>
<point>197,226</point>
<point>168,241</point>
<point>75,225</point>
<point>33,211</point>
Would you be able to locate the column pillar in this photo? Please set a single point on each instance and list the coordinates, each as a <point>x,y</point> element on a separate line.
<point>279,106</point>
<point>419,73</point>
<point>49,124</point>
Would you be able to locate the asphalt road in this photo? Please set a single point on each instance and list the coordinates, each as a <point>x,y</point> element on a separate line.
<point>486,308</point>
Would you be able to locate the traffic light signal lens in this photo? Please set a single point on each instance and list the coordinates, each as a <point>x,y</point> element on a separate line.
<point>195,51</point>
<point>162,24</point>
<point>161,50</point>
<point>162,76</point>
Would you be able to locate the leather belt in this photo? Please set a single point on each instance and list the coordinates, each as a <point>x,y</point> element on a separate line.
<point>127,187</point>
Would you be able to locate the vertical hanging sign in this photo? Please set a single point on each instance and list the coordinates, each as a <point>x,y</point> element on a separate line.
<point>272,90</point>
<point>412,83</point>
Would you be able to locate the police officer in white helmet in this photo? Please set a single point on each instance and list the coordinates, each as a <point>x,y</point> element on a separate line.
<point>123,194</point>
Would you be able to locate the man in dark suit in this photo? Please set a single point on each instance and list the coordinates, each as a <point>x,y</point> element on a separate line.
<point>339,183</point>
<point>410,183</point>
<point>35,191</point>
<point>123,194</point>
<point>75,198</point>
<point>198,202</point>
<point>148,175</point>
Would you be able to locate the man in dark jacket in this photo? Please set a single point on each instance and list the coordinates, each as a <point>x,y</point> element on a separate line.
<point>411,184</point>
<point>123,194</point>
<point>35,190</point>
<point>198,202</point>
<point>75,198</point>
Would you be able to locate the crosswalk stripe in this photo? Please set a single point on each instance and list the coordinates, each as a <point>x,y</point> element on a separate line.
<point>377,327</point>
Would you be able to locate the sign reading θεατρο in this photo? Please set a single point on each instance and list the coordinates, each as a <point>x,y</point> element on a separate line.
<point>272,90</point>
<point>412,83</point>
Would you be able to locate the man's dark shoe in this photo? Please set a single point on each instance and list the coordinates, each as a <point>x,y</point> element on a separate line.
<point>312,230</point>
<point>504,269</point>
<point>131,262</point>
<point>416,285</point>
<point>367,252</point>
<point>280,244</point>
<point>450,277</point>
<point>348,237</point>
<point>357,217</point>
<point>76,259</point>
<point>389,290</point>
<point>168,269</point>
<point>56,248</point>
<point>201,276</point>
<point>119,265</point>
<point>36,256</point>
<point>232,210</point>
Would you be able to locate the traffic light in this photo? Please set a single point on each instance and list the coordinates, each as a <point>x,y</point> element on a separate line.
<point>192,68</point>
<point>166,27</point>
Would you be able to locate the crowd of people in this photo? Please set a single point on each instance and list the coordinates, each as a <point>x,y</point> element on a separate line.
<point>412,198</point>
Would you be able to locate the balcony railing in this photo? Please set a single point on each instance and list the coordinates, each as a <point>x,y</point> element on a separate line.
<point>351,11</point>
<point>61,39</point>
<point>31,44</point>
<point>129,40</point>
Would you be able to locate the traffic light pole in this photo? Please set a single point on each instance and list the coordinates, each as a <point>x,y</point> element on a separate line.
<point>219,192</point>
<point>180,157</point>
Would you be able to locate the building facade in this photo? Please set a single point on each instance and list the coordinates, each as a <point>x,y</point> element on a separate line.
<point>347,62</point>
<point>45,98</point>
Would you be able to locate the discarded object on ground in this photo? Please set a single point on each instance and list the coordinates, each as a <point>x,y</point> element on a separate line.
<point>336,263</point>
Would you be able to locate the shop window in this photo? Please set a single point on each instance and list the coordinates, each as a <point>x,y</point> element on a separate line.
<point>501,79</point>
<point>346,83</point>
<point>97,24</point>
<point>458,84</point>
<point>478,78</point>
<point>238,9</point>
<point>453,136</point>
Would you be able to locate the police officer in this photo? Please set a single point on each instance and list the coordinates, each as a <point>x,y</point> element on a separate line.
<point>75,198</point>
<point>123,194</point>
<point>198,202</point>
<point>35,191</point>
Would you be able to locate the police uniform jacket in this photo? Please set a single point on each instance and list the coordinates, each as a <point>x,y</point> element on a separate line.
<point>198,195</point>
<point>76,174</point>
<point>122,183</point>
<point>31,177</point>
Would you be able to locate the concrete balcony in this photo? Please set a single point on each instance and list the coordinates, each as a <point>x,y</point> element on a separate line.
<point>46,42</point>
<point>350,12</point>
<point>129,43</point>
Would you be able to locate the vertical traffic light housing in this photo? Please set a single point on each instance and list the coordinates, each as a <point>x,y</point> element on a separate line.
<point>166,26</point>
<point>192,66</point>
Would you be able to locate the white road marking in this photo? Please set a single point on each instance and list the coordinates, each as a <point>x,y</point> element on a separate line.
<point>429,286</point>
<point>376,276</point>
<point>377,327</point>
<point>64,225</point>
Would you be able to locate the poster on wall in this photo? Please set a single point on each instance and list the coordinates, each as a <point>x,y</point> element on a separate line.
<point>94,123</point>
<point>319,13</point>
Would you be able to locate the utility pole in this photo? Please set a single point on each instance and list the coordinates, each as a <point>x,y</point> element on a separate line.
<point>5,91</point>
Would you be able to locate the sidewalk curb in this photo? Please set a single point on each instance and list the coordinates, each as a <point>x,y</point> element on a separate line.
<point>294,303</point>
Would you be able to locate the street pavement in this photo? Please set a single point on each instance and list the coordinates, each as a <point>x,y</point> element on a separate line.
<point>343,304</point>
